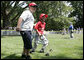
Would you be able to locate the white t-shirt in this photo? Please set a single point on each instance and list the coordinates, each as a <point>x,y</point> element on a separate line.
<point>28,21</point>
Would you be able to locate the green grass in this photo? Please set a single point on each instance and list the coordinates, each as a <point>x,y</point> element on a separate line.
<point>63,47</point>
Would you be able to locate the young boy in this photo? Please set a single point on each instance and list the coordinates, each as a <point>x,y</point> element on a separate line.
<point>39,28</point>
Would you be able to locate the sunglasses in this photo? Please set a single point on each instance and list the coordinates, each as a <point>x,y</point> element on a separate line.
<point>35,6</point>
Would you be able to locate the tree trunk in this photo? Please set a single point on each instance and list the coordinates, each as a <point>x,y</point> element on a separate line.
<point>6,22</point>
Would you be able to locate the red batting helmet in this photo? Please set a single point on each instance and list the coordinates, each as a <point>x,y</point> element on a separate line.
<point>43,15</point>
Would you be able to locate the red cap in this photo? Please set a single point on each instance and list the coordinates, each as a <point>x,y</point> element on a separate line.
<point>43,15</point>
<point>32,4</point>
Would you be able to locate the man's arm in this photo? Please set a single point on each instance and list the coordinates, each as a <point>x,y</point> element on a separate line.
<point>18,28</point>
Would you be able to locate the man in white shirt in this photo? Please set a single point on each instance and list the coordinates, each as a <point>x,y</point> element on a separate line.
<point>25,26</point>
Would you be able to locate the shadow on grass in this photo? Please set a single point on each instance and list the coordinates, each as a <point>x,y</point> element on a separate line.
<point>56,57</point>
<point>12,56</point>
<point>64,56</point>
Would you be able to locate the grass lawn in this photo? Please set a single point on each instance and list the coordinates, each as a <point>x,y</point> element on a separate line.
<point>63,47</point>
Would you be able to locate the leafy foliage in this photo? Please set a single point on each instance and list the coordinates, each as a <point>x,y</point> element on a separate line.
<point>59,14</point>
<point>78,12</point>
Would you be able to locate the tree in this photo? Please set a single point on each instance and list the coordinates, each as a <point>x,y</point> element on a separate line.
<point>57,14</point>
<point>77,13</point>
<point>10,11</point>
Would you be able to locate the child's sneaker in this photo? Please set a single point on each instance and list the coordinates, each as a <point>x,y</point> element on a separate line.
<point>41,51</point>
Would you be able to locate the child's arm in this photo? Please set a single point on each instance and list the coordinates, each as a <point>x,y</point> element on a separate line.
<point>38,33</point>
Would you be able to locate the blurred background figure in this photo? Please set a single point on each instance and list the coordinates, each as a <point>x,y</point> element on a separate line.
<point>71,28</point>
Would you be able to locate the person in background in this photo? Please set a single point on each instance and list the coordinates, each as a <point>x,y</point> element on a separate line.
<point>71,28</point>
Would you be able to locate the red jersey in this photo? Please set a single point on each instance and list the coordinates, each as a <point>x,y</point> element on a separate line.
<point>40,27</point>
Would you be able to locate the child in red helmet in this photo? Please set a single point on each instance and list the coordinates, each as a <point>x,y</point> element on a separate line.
<point>39,28</point>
